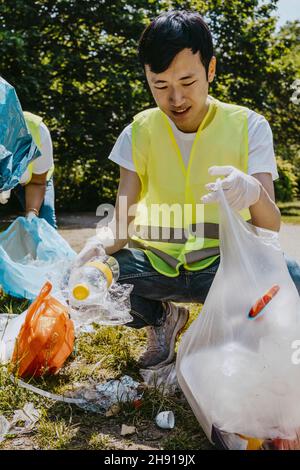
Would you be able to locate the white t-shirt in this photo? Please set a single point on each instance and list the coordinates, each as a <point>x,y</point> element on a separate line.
<point>261,157</point>
<point>45,161</point>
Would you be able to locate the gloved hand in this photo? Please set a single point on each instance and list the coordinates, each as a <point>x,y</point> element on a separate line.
<point>92,249</point>
<point>241,190</point>
<point>4,196</point>
<point>30,216</point>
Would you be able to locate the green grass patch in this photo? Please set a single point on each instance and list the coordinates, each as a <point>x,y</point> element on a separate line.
<point>108,352</point>
<point>290,212</point>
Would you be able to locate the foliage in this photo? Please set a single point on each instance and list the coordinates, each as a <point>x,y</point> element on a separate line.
<point>286,188</point>
<point>75,63</point>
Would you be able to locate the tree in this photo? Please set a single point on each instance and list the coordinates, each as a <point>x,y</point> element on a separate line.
<point>75,63</point>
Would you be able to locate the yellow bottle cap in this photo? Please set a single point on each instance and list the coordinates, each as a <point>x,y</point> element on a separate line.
<point>81,291</point>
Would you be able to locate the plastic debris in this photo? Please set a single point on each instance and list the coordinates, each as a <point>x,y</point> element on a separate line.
<point>4,427</point>
<point>113,309</point>
<point>28,415</point>
<point>163,378</point>
<point>239,375</point>
<point>10,325</point>
<point>165,420</point>
<point>43,393</point>
<point>107,303</point>
<point>100,398</point>
<point>45,339</point>
<point>30,251</point>
<point>263,301</point>
<point>17,147</point>
<point>113,411</point>
<point>127,430</point>
<point>92,279</point>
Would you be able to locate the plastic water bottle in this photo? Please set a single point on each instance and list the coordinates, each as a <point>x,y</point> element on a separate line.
<point>89,283</point>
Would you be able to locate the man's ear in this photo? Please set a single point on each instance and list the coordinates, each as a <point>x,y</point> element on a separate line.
<point>212,69</point>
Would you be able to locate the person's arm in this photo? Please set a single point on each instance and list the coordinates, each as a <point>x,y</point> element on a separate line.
<point>265,213</point>
<point>35,192</point>
<point>130,187</point>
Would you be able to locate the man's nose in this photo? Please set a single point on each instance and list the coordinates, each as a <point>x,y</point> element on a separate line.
<point>176,98</point>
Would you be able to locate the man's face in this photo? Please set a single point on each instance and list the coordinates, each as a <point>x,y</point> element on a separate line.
<point>181,91</point>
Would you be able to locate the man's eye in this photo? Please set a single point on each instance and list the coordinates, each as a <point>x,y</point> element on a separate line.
<point>189,84</point>
<point>161,88</point>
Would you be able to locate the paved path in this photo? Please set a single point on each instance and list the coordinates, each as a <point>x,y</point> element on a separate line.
<point>290,240</point>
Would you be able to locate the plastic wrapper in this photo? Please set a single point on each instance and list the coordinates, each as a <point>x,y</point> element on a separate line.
<point>94,397</point>
<point>30,253</point>
<point>17,148</point>
<point>99,398</point>
<point>235,364</point>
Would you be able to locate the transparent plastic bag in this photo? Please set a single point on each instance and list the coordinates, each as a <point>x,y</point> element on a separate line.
<point>30,253</point>
<point>234,363</point>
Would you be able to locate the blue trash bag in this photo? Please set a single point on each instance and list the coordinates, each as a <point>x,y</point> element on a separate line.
<point>17,148</point>
<point>31,252</point>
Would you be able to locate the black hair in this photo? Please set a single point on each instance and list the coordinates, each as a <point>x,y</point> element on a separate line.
<point>170,33</point>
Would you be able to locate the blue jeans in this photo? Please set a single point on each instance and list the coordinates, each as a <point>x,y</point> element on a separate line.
<point>47,210</point>
<point>152,288</point>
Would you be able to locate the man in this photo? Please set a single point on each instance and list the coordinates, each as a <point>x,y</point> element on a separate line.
<point>35,190</point>
<point>171,155</point>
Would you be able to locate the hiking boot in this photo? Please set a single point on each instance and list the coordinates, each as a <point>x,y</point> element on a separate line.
<point>161,339</point>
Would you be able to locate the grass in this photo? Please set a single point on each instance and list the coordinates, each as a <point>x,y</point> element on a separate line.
<point>109,352</point>
<point>290,212</point>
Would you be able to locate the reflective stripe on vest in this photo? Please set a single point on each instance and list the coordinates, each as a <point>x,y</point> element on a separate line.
<point>33,123</point>
<point>222,139</point>
<point>177,235</point>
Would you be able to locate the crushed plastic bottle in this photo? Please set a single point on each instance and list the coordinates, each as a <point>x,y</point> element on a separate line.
<point>89,286</point>
<point>92,280</point>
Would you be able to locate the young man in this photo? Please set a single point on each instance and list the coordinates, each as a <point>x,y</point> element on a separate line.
<point>171,155</point>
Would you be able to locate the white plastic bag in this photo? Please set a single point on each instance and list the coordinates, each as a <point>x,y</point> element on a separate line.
<point>10,326</point>
<point>236,372</point>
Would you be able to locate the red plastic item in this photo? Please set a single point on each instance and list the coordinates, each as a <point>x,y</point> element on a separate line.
<point>263,301</point>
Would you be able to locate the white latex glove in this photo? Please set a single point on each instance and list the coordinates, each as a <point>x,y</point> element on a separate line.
<point>241,190</point>
<point>92,249</point>
<point>4,196</point>
<point>30,216</point>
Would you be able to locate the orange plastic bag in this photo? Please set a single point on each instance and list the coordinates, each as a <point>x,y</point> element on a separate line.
<point>46,338</point>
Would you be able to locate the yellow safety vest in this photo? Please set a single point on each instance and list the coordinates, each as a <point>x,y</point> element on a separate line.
<point>192,235</point>
<point>33,123</point>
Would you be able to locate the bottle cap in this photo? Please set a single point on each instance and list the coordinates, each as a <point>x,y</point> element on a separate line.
<point>81,292</point>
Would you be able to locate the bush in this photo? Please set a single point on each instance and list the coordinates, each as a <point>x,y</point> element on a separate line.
<point>286,187</point>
